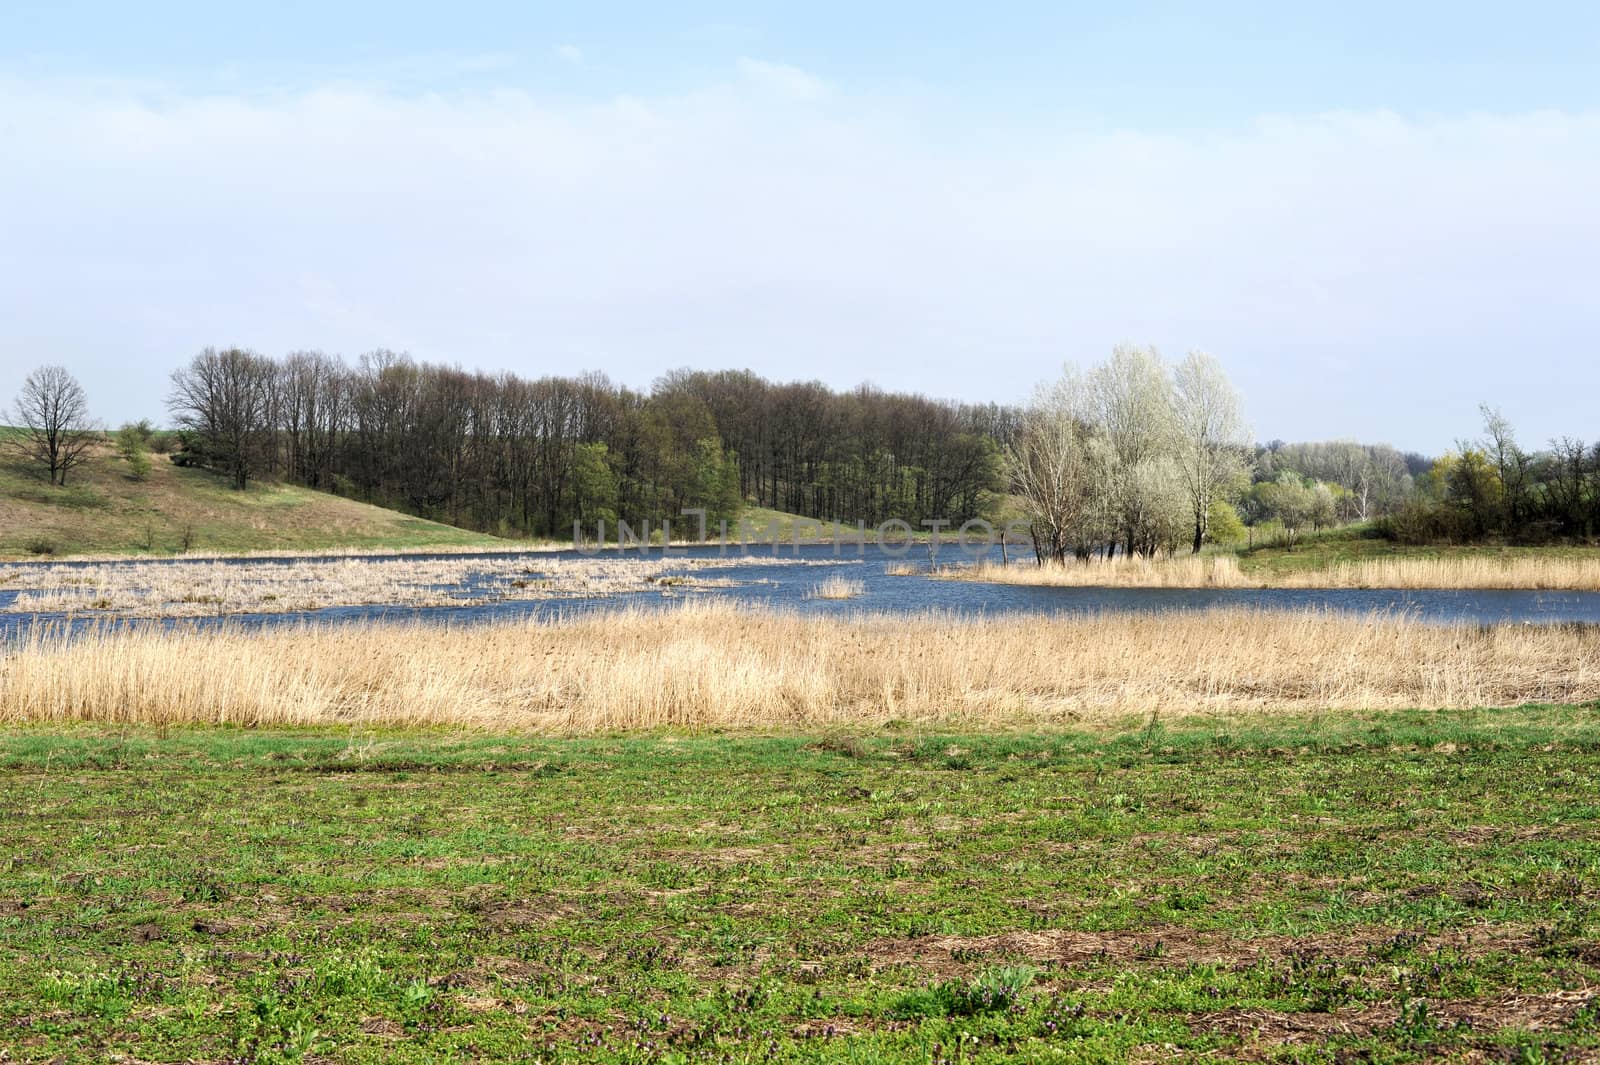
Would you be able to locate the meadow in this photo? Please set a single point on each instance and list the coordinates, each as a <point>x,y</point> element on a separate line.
<point>1405,886</point>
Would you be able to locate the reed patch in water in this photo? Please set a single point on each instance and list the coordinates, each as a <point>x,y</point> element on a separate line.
<point>1222,571</point>
<point>195,589</point>
<point>838,588</point>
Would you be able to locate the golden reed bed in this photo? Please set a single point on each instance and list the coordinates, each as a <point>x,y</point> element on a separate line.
<point>1222,571</point>
<point>711,665</point>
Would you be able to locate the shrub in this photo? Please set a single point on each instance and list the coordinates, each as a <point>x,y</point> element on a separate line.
<point>135,434</point>
<point>1422,523</point>
<point>138,465</point>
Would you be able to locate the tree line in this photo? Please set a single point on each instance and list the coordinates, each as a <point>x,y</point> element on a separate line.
<point>1143,457</point>
<point>1133,456</point>
<point>519,456</point>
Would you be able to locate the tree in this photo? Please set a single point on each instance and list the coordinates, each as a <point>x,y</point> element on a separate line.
<point>1472,484</point>
<point>1129,400</point>
<point>1225,527</point>
<point>53,414</point>
<point>1057,466</point>
<point>224,401</point>
<point>132,439</point>
<point>1211,438</point>
<point>1289,501</point>
<point>594,486</point>
<point>1510,464</point>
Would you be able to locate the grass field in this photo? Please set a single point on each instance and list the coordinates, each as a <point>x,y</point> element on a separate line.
<point>102,510</point>
<point>1392,888</point>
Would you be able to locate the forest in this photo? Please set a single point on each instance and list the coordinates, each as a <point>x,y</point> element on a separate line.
<point>517,456</point>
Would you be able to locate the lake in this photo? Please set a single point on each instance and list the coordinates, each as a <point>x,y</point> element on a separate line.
<point>764,582</point>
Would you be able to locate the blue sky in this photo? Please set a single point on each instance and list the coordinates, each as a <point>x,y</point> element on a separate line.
<point>1375,215</point>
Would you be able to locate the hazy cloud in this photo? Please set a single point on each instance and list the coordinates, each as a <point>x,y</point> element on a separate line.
<point>1358,274</point>
<point>788,81</point>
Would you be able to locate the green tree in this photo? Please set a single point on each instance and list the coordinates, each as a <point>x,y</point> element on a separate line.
<point>714,482</point>
<point>594,485</point>
<point>1224,526</point>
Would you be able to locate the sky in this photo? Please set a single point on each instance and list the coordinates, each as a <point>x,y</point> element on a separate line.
<point>1376,216</point>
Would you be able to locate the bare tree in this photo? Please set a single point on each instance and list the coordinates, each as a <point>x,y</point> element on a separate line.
<point>313,393</point>
<point>1210,435</point>
<point>1057,465</point>
<point>225,400</point>
<point>1510,463</point>
<point>53,414</point>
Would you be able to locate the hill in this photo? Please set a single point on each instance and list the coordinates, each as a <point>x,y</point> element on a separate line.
<point>104,510</point>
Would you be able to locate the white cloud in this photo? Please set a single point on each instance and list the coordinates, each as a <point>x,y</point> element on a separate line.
<point>786,81</point>
<point>571,53</point>
<point>1438,262</point>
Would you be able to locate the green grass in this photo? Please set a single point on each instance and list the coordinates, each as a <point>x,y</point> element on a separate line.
<point>102,510</point>
<point>1356,543</point>
<point>1402,886</point>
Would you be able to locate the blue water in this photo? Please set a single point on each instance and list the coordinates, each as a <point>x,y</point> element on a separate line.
<point>787,587</point>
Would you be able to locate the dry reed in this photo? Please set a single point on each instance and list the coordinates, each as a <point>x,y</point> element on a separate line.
<point>713,665</point>
<point>155,589</point>
<point>1554,573</point>
<point>838,588</point>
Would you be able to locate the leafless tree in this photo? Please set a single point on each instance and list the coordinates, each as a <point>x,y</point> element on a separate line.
<point>225,399</point>
<point>1510,462</point>
<point>313,393</point>
<point>1057,465</point>
<point>53,414</point>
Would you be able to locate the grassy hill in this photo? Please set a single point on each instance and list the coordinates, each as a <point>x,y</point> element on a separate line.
<point>103,510</point>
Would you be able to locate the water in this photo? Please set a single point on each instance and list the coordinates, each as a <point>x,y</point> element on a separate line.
<point>788,587</point>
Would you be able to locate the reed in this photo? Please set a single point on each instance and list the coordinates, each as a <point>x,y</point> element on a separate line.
<point>838,588</point>
<point>195,589</point>
<point>711,665</point>
<point>1556,573</point>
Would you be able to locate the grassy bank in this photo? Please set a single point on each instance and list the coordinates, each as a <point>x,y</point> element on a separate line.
<point>102,510</point>
<point>1357,545</point>
<point>717,665</point>
<point>1408,887</point>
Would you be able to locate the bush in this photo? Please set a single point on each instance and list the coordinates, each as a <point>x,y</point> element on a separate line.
<point>40,545</point>
<point>138,465</point>
<point>135,434</point>
<point>1423,523</point>
<point>131,442</point>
